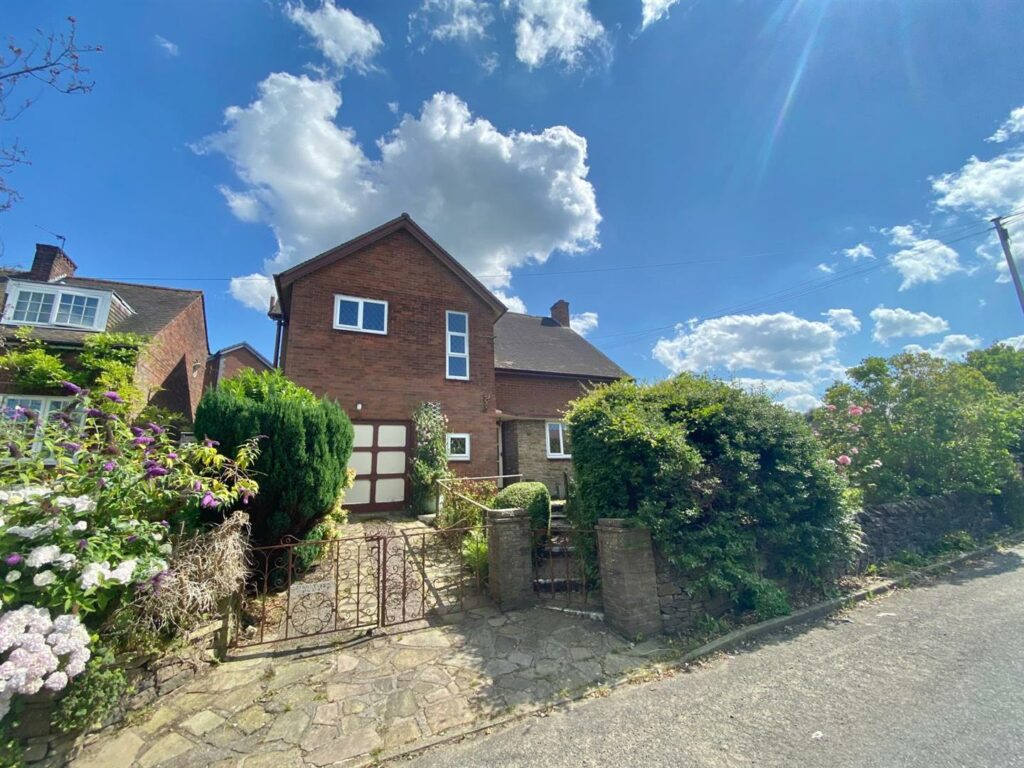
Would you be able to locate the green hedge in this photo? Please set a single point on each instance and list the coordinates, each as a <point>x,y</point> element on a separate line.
<point>533,497</point>
<point>736,491</point>
<point>304,454</point>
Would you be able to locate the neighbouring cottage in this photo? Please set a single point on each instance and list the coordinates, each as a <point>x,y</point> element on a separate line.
<point>64,309</point>
<point>390,320</point>
<point>230,361</point>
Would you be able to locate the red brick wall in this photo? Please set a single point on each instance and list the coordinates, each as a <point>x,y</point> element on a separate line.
<point>391,375</point>
<point>522,394</point>
<point>225,366</point>
<point>167,373</point>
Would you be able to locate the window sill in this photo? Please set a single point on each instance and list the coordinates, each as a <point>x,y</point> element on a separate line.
<point>559,457</point>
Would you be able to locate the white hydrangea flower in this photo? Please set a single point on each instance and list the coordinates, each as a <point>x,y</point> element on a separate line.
<point>41,556</point>
<point>81,525</point>
<point>44,578</point>
<point>12,576</point>
<point>123,572</point>
<point>93,574</point>
<point>80,504</point>
<point>66,561</point>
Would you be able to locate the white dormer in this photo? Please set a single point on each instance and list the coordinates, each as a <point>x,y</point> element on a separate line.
<point>56,306</point>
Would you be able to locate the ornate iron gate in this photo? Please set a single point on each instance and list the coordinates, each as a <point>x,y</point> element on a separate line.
<point>384,578</point>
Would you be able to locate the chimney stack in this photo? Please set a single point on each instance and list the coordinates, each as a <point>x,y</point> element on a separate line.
<point>560,312</point>
<point>50,264</point>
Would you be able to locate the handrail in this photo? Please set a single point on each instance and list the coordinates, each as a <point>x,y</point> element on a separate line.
<point>444,484</point>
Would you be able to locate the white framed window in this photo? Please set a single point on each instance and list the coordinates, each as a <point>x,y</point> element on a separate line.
<point>456,345</point>
<point>556,442</point>
<point>60,305</point>
<point>352,313</point>
<point>44,407</point>
<point>458,446</point>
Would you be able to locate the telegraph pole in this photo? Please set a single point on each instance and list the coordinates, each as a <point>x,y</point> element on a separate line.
<point>1004,240</point>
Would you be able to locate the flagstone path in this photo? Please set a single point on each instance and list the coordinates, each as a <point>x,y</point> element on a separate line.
<point>355,701</point>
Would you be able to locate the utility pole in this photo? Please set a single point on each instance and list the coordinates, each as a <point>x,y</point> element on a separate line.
<point>1004,240</point>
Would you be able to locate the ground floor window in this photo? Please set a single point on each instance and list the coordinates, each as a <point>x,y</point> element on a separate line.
<point>458,446</point>
<point>557,444</point>
<point>38,408</point>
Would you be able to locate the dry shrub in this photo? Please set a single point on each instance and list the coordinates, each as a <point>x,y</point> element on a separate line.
<point>203,571</point>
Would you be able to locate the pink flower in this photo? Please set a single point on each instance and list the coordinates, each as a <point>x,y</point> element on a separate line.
<point>855,451</point>
<point>830,407</point>
<point>844,460</point>
<point>855,410</point>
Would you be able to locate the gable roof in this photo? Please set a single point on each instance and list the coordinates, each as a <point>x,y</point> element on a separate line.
<point>284,280</point>
<point>531,344</point>
<point>241,345</point>
<point>153,308</point>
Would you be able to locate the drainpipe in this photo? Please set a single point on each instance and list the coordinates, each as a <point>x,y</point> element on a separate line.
<point>277,341</point>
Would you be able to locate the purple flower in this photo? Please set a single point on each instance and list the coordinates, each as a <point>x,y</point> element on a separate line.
<point>102,483</point>
<point>156,429</point>
<point>82,543</point>
<point>143,440</point>
<point>132,538</point>
<point>246,498</point>
<point>138,431</point>
<point>71,388</point>
<point>113,397</point>
<point>71,448</point>
<point>197,486</point>
<point>209,501</point>
<point>165,524</point>
<point>172,455</point>
<point>155,471</point>
<point>109,466</point>
<point>14,559</point>
<point>94,413</point>
<point>210,443</point>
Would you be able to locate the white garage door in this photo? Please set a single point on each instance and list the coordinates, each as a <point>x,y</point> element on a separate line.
<point>380,455</point>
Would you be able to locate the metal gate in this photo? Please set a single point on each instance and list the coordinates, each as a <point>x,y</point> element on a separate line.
<point>384,578</point>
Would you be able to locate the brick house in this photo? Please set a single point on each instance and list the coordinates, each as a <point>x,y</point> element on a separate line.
<point>229,361</point>
<point>64,309</point>
<point>390,320</point>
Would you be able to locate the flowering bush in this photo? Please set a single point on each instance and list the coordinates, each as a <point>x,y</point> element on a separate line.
<point>90,509</point>
<point>39,652</point>
<point>430,463</point>
<point>916,425</point>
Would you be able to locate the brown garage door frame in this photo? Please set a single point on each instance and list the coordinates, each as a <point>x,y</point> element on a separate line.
<point>388,506</point>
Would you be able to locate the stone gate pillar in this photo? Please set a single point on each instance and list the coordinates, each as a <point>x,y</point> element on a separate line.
<point>509,552</point>
<point>628,582</point>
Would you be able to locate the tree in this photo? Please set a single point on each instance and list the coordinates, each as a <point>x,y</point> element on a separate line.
<point>917,425</point>
<point>304,448</point>
<point>51,60</point>
<point>1002,365</point>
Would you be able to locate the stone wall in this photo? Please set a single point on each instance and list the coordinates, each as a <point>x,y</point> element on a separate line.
<point>681,611</point>
<point>150,678</point>
<point>918,525</point>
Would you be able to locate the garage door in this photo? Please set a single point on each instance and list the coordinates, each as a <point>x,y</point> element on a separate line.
<point>380,456</point>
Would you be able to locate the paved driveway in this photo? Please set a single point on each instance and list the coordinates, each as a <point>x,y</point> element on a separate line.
<point>930,677</point>
<point>361,699</point>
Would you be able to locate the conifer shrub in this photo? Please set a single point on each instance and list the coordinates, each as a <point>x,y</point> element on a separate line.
<point>305,446</point>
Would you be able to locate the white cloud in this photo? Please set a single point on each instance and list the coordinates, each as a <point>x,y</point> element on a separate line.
<point>780,343</point>
<point>514,303</point>
<point>584,322</point>
<point>902,323</point>
<point>393,107</point>
<point>453,19</point>
<point>858,252</point>
<point>490,63</point>
<point>843,320</point>
<point>796,395</point>
<point>254,291</point>
<point>344,38</point>
<point>171,49</point>
<point>655,9</point>
<point>1014,124</point>
<point>495,200</point>
<point>921,259</point>
<point>828,269</point>
<point>952,347</point>
<point>563,30</point>
<point>244,206</point>
<point>1017,342</point>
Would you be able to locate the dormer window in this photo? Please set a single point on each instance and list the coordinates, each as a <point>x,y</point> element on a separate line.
<point>56,305</point>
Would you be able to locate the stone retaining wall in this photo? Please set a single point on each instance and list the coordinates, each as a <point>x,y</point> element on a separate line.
<point>918,525</point>
<point>150,678</point>
<point>680,611</point>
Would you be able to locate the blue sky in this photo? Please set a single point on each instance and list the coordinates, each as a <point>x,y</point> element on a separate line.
<point>769,191</point>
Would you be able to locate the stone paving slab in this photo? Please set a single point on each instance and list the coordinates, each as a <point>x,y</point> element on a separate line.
<point>349,703</point>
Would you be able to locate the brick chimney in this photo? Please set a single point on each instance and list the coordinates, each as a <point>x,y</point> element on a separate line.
<point>50,264</point>
<point>560,312</point>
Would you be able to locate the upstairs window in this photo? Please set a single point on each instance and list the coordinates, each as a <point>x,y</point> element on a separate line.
<point>31,304</point>
<point>457,345</point>
<point>557,444</point>
<point>352,313</point>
